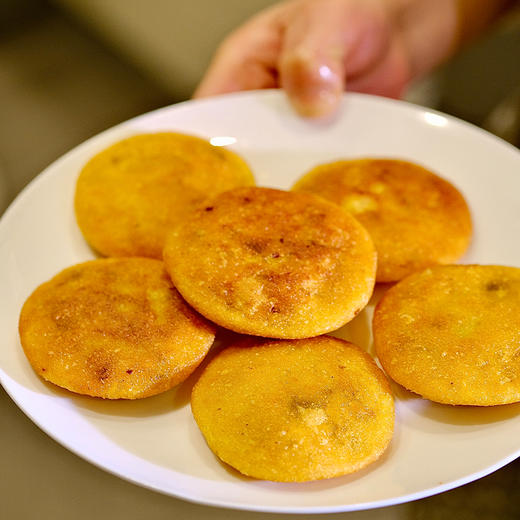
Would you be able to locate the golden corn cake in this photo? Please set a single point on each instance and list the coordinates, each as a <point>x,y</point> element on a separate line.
<point>113,328</point>
<point>129,195</point>
<point>415,218</point>
<point>452,334</point>
<point>294,410</point>
<point>272,263</point>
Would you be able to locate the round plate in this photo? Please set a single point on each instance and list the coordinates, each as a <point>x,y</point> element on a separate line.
<point>155,442</point>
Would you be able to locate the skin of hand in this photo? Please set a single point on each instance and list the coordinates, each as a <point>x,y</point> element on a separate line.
<point>316,49</point>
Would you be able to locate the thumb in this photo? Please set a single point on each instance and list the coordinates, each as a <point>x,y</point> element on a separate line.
<point>312,61</point>
<point>325,42</point>
<point>314,85</point>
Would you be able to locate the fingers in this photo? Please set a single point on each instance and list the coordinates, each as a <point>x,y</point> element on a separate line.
<point>246,60</point>
<point>324,43</point>
<point>389,76</point>
<point>314,50</point>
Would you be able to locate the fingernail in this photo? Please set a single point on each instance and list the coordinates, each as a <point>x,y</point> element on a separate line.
<point>314,92</point>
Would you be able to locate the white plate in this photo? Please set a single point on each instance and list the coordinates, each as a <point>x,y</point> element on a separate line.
<point>155,442</point>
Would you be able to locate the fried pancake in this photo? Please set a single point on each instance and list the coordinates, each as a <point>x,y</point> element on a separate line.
<point>272,263</point>
<point>129,195</point>
<point>452,334</point>
<point>415,218</point>
<point>113,328</point>
<point>294,410</point>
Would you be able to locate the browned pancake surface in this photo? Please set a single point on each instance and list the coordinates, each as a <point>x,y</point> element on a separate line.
<point>113,328</point>
<point>452,334</point>
<point>415,218</point>
<point>272,263</point>
<point>294,410</point>
<point>129,195</point>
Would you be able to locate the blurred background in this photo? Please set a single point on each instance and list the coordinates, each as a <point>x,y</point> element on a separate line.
<point>72,68</point>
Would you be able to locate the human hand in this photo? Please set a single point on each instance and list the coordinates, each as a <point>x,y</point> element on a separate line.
<point>315,49</point>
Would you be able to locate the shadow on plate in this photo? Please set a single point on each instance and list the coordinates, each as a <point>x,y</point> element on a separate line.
<point>458,415</point>
<point>359,330</point>
<point>455,415</point>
